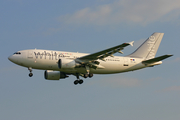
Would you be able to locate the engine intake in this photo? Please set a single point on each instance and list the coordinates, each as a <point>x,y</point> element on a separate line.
<point>54,75</point>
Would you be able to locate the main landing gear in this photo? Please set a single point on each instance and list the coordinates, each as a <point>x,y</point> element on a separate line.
<point>88,75</point>
<point>30,70</point>
<point>80,81</point>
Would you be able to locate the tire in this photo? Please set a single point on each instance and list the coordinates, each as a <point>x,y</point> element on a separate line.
<point>90,75</point>
<point>80,81</point>
<point>30,74</point>
<point>86,75</point>
<point>76,82</point>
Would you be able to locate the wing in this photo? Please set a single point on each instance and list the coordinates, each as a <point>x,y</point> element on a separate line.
<point>102,54</point>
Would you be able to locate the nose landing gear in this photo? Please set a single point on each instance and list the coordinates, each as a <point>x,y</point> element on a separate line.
<point>30,70</point>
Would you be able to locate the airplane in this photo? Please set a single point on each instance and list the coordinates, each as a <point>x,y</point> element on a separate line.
<point>60,64</point>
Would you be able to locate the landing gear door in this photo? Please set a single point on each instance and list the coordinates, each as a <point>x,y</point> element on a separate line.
<point>30,54</point>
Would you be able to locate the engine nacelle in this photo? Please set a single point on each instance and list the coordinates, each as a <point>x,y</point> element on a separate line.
<point>67,63</point>
<point>54,75</point>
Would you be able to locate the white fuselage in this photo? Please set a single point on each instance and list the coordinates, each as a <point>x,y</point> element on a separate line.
<point>48,60</point>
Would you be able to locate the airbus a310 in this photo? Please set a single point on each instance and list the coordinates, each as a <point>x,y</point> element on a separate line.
<point>61,64</point>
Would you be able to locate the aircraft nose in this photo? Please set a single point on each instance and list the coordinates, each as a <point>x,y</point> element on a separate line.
<point>10,58</point>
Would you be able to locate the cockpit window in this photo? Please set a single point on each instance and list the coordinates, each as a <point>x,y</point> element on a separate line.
<point>17,53</point>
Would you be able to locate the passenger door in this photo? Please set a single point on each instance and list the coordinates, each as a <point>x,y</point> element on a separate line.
<point>30,55</point>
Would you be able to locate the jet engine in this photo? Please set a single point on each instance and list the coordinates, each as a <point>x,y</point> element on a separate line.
<point>67,63</point>
<point>54,75</point>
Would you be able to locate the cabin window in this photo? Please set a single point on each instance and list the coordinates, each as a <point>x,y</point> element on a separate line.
<point>17,53</point>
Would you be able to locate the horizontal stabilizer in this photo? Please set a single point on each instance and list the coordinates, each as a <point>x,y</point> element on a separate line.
<point>157,59</point>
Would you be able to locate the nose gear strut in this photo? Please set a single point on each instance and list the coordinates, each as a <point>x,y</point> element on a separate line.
<point>30,70</point>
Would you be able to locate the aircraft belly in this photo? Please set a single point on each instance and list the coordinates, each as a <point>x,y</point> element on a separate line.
<point>42,64</point>
<point>109,68</point>
<point>118,68</point>
<point>133,67</point>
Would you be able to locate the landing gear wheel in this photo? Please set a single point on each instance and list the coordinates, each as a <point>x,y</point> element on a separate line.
<point>30,74</point>
<point>76,82</point>
<point>80,81</point>
<point>90,75</point>
<point>86,75</point>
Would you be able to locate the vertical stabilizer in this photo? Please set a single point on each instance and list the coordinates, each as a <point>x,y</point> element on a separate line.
<point>149,48</point>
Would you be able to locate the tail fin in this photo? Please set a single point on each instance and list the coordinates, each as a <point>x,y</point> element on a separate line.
<point>149,48</point>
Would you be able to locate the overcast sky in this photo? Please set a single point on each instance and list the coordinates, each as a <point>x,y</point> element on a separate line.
<point>89,26</point>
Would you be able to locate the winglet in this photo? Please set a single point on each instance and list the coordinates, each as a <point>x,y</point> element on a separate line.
<point>131,43</point>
